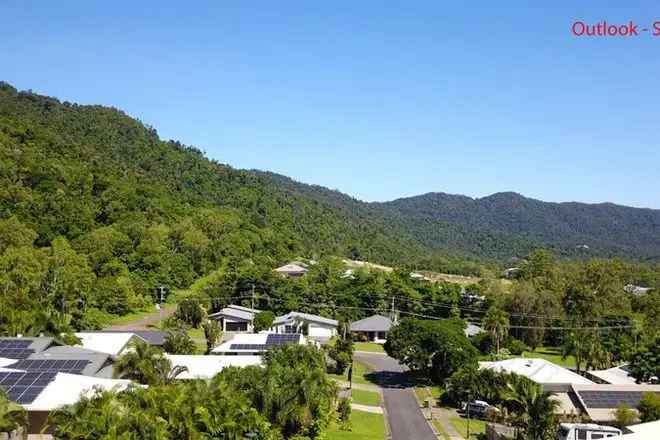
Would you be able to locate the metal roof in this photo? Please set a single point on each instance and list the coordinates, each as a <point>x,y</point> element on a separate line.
<point>153,337</point>
<point>97,360</point>
<point>375,323</point>
<point>23,347</point>
<point>236,312</point>
<point>297,316</point>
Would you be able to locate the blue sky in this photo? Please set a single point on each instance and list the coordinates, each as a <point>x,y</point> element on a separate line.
<point>377,99</point>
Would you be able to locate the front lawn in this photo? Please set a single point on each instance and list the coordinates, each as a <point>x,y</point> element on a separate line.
<point>371,347</point>
<point>359,371</point>
<point>476,426</point>
<point>364,426</point>
<point>363,397</point>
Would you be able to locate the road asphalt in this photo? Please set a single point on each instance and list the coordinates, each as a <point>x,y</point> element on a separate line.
<point>403,413</point>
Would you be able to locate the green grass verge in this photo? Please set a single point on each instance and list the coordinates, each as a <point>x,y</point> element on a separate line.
<point>438,427</point>
<point>359,371</point>
<point>363,397</point>
<point>371,347</point>
<point>364,426</point>
<point>476,426</point>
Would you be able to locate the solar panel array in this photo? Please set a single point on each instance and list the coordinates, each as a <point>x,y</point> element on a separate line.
<point>610,399</point>
<point>72,366</point>
<point>272,340</point>
<point>276,339</point>
<point>15,349</point>
<point>24,388</point>
<point>247,347</point>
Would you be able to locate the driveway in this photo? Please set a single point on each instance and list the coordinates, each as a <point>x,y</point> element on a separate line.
<point>403,413</point>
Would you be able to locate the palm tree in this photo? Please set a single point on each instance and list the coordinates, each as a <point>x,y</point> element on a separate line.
<point>496,321</point>
<point>147,365</point>
<point>533,409</point>
<point>12,415</point>
<point>212,333</point>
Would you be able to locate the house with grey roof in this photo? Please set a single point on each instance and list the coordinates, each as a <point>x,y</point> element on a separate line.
<point>315,326</point>
<point>235,318</point>
<point>374,328</point>
<point>293,269</point>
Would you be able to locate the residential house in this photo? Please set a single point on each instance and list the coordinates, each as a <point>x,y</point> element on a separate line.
<point>254,344</point>
<point>114,344</point>
<point>315,326</point>
<point>374,328</point>
<point>293,269</point>
<point>235,318</point>
<point>576,394</point>
<point>206,367</point>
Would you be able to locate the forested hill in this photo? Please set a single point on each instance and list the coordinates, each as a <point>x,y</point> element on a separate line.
<point>503,223</point>
<point>150,211</point>
<point>160,212</point>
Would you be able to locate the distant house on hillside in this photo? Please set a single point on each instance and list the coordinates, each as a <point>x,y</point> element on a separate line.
<point>472,330</point>
<point>235,318</point>
<point>510,272</point>
<point>293,269</point>
<point>374,328</point>
<point>311,325</point>
<point>636,290</point>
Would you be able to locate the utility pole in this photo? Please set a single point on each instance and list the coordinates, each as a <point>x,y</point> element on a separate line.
<point>252,296</point>
<point>392,313</point>
<point>468,417</point>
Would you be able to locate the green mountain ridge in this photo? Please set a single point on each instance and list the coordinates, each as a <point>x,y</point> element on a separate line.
<point>71,170</point>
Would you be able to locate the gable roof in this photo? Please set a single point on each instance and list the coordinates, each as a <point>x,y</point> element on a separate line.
<point>36,345</point>
<point>538,370</point>
<point>153,337</point>
<point>298,316</point>
<point>206,367</point>
<point>375,323</point>
<point>236,312</point>
<point>256,342</point>
<point>291,268</point>
<point>97,360</point>
<point>66,389</point>
<point>103,342</point>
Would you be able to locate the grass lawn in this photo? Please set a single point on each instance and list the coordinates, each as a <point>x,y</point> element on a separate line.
<point>369,346</point>
<point>552,354</point>
<point>359,370</point>
<point>476,426</point>
<point>438,427</point>
<point>364,426</point>
<point>363,397</point>
<point>436,393</point>
<point>134,316</point>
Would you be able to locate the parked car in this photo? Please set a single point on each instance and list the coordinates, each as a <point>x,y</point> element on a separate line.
<point>586,431</point>
<point>478,409</point>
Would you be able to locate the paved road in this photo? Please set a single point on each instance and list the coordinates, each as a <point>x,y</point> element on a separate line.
<point>405,418</point>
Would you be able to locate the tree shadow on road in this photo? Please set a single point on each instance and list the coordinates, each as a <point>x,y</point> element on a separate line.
<point>392,379</point>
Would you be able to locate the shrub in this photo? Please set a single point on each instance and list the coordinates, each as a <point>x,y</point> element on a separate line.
<point>649,407</point>
<point>517,347</point>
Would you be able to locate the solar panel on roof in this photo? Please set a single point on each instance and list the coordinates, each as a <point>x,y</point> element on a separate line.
<point>14,343</point>
<point>72,366</point>
<point>24,388</point>
<point>247,347</point>
<point>16,353</point>
<point>610,399</point>
<point>282,339</point>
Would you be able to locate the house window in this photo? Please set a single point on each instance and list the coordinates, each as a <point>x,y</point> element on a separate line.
<point>236,326</point>
<point>290,329</point>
